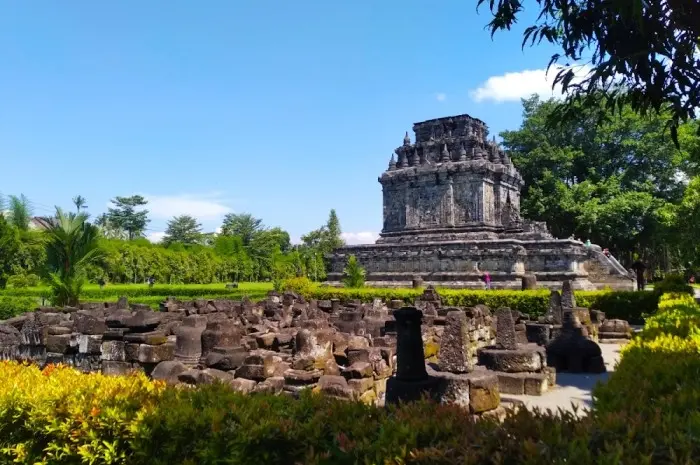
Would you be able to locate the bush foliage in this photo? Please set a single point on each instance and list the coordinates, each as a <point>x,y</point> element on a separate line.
<point>646,413</point>
<point>631,306</point>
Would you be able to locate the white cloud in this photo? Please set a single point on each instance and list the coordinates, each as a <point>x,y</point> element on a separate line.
<point>514,86</point>
<point>201,206</point>
<point>441,97</point>
<point>155,236</point>
<point>364,237</point>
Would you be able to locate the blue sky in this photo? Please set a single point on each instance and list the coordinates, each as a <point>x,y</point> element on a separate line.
<point>281,109</point>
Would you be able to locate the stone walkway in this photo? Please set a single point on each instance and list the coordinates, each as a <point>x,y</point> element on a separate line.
<point>572,389</point>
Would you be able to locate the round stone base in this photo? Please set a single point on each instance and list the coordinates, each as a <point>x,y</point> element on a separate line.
<point>526,358</point>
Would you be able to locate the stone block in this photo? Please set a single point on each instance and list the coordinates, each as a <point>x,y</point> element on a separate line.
<point>114,351</point>
<point>131,352</point>
<point>226,359</point>
<point>243,385</point>
<point>116,368</point>
<point>168,371</point>
<point>298,377</point>
<point>483,393</point>
<point>511,383</point>
<point>117,318</point>
<point>143,321</point>
<point>58,343</point>
<point>151,338</point>
<point>361,385</point>
<point>526,358</point>
<point>58,330</point>
<point>254,372</point>
<point>359,370</point>
<point>536,384</point>
<point>85,323</point>
<point>114,334</point>
<point>358,355</point>
<point>155,354</point>
<point>89,344</point>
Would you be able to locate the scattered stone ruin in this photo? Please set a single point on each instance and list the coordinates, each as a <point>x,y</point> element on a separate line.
<point>452,211</point>
<point>374,352</point>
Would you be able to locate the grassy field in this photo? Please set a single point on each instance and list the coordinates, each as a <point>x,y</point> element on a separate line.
<point>142,293</point>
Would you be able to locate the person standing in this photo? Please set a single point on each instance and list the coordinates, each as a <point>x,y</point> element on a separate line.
<point>639,267</point>
<point>487,279</point>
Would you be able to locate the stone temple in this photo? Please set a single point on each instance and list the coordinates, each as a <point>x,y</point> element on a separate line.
<point>452,211</point>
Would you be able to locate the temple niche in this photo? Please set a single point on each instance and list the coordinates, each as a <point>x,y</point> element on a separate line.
<point>451,201</point>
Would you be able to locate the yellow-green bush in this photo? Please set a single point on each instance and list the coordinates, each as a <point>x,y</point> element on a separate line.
<point>59,415</point>
<point>646,413</point>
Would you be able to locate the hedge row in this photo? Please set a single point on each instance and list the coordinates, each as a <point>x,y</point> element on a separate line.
<point>629,306</point>
<point>646,413</point>
<point>626,305</point>
<point>93,292</point>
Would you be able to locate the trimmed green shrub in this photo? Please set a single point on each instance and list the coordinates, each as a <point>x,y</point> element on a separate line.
<point>11,306</point>
<point>18,281</point>
<point>646,413</point>
<point>673,283</point>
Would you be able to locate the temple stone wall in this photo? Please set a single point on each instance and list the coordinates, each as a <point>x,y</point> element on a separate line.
<point>452,211</point>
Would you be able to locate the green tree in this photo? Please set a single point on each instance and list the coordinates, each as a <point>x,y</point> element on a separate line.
<point>607,182</point>
<point>334,237</point>
<point>353,274</point>
<point>645,54</point>
<point>683,220</point>
<point>80,203</point>
<point>183,229</point>
<point>244,225</point>
<point>109,229</point>
<point>71,247</point>
<point>125,216</point>
<point>9,248</point>
<point>20,212</point>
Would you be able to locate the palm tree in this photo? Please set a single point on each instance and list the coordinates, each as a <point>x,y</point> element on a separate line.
<point>80,203</point>
<point>72,245</point>
<point>20,211</point>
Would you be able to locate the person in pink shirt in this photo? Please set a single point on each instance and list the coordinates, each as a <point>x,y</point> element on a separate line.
<point>487,279</point>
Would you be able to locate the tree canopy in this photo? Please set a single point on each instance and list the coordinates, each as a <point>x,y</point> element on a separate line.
<point>183,229</point>
<point>125,216</point>
<point>642,54</point>
<point>615,183</point>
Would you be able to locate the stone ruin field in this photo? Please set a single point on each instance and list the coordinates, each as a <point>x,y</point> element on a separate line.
<point>483,359</point>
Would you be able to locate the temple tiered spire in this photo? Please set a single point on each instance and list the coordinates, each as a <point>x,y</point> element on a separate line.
<point>415,160</point>
<point>462,153</point>
<point>445,154</point>
<point>406,139</point>
<point>392,163</point>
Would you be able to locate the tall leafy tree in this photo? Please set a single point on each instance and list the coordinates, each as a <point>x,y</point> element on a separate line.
<point>244,225</point>
<point>334,237</point>
<point>608,181</point>
<point>645,54</point>
<point>20,211</point>
<point>125,215</point>
<point>109,229</point>
<point>9,248</point>
<point>72,246</point>
<point>183,229</point>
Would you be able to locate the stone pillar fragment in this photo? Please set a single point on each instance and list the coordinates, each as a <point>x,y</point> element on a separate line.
<point>505,329</point>
<point>455,353</point>
<point>409,344</point>
<point>188,339</point>
<point>568,301</point>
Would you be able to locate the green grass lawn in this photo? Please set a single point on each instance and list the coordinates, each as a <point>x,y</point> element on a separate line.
<point>142,293</point>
